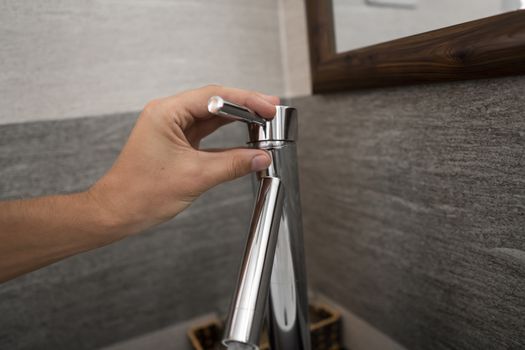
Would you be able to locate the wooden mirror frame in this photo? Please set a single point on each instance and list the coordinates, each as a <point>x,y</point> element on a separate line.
<point>488,47</point>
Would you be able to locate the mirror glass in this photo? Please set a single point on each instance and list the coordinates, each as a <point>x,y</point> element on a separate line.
<point>360,23</point>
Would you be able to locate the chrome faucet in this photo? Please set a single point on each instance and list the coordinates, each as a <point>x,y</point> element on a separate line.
<point>272,277</point>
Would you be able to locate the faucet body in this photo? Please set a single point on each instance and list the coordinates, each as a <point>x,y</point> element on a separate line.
<point>288,302</point>
<point>272,276</point>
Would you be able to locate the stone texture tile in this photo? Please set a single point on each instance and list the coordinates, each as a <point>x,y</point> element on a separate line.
<point>64,59</point>
<point>414,209</point>
<point>169,274</point>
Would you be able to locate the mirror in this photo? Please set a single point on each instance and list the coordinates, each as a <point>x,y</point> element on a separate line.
<point>361,23</point>
<point>357,44</point>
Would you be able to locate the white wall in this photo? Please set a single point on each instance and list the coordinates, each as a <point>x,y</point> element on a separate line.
<point>69,58</point>
<point>294,43</point>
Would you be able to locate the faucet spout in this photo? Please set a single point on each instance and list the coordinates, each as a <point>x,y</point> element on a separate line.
<point>251,294</point>
<point>272,278</point>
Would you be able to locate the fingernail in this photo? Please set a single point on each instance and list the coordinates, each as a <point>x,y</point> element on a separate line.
<point>260,162</point>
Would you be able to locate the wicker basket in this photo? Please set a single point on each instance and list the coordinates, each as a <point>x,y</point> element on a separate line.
<point>325,331</point>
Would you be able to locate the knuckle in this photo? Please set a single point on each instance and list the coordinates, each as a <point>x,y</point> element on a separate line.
<point>213,87</point>
<point>151,105</point>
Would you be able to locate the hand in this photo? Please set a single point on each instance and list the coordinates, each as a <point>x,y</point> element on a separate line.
<point>161,169</point>
<point>159,172</point>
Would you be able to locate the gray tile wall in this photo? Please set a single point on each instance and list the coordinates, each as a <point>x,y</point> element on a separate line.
<point>172,273</point>
<point>414,209</point>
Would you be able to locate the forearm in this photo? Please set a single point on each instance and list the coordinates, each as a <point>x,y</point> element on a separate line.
<point>37,232</point>
<point>159,173</point>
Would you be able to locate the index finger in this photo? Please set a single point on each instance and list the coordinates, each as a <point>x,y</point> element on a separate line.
<point>196,101</point>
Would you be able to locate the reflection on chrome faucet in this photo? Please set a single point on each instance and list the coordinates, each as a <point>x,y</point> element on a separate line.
<point>272,277</point>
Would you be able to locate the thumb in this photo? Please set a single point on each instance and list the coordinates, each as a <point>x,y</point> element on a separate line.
<point>231,164</point>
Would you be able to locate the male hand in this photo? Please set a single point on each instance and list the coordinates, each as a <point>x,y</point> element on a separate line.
<point>161,169</point>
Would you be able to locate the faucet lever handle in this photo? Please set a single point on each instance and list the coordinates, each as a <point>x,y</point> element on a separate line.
<point>218,106</point>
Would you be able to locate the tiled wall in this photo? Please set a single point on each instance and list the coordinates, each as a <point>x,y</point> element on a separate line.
<point>414,209</point>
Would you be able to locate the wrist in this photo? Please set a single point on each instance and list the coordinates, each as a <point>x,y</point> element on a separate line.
<point>108,216</point>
